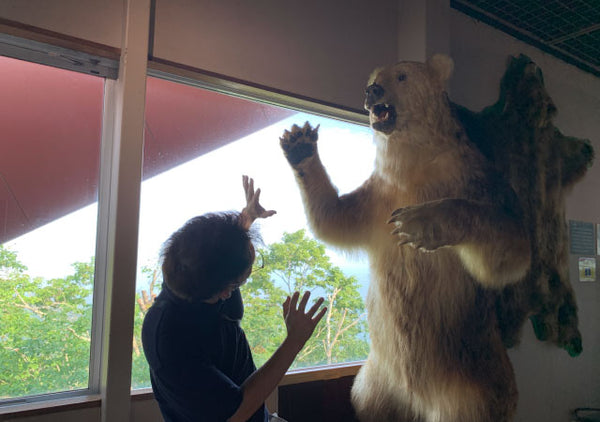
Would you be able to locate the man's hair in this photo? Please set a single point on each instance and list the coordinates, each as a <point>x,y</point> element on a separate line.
<point>206,255</point>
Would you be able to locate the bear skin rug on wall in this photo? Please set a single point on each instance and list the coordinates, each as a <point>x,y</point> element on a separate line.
<point>476,204</point>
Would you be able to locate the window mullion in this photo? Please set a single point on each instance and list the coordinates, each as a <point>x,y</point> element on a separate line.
<point>122,175</point>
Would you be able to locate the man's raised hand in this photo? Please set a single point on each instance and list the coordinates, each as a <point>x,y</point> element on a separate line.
<point>299,322</point>
<point>253,209</point>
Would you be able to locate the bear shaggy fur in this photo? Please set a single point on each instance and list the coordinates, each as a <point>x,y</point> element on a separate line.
<point>518,136</point>
<point>437,352</point>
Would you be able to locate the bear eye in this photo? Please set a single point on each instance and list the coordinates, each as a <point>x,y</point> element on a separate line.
<point>401,77</point>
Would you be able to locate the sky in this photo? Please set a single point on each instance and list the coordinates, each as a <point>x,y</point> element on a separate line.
<point>213,182</point>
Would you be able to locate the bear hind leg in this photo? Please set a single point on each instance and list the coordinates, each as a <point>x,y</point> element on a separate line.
<point>374,401</point>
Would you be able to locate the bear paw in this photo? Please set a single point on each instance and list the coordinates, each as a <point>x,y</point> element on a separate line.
<point>299,143</point>
<point>425,227</point>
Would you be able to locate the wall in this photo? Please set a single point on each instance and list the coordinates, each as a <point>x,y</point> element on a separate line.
<point>550,382</point>
<point>322,400</point>
<point>96,21</point>
<point>320,49</point>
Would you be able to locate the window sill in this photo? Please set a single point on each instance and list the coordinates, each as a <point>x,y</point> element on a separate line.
<point>296,376</point>
<point>321,373</point>
<point>39,407</point>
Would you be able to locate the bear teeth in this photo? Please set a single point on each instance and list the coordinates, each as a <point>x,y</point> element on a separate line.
<point>383,111</point>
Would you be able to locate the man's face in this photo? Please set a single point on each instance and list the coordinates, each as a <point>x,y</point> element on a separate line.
<point>226,294</point>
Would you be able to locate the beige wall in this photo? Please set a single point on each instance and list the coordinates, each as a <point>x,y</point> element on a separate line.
<point>550,382</point>
<point>96,21</point>
<point>321,49</point>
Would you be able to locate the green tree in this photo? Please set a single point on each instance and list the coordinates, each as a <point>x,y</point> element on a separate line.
<point>45,324</point>
<point>299,263</point>
<point>151,280</point>
<point>44,329</point>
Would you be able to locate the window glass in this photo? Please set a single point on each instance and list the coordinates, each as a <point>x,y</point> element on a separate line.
<point>198,145</point>
<point>51,122</point>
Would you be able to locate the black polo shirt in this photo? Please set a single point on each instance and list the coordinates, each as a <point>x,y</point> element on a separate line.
<point>198,357</point>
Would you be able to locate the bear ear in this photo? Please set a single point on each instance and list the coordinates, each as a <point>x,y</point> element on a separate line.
<point>442,66</point>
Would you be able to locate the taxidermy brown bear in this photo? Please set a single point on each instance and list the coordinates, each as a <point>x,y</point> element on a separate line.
<point>453,283</point>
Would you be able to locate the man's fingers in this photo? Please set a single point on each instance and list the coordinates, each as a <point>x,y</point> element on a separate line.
<point>304,301</point>
<point>253,207</point>
<point>319,316</point>
<point>248,187</point>
<point>294,300</point>
<point>246,182</point>
<point>314,308</point>
<point>286,306</point>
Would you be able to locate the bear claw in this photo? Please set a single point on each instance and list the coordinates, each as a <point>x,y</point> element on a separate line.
<point>299,143</point>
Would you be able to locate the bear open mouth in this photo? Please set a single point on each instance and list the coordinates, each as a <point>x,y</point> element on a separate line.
<point>385,117</point>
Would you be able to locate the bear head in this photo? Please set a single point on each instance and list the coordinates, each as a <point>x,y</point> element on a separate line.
<point>406,92</point>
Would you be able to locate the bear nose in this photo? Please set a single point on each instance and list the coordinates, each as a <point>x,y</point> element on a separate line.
<point>374,93</point>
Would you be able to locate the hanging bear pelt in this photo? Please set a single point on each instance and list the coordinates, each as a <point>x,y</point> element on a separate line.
<point>518,136</point>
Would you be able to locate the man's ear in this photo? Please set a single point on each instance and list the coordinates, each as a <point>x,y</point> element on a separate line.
<point>441,66</point>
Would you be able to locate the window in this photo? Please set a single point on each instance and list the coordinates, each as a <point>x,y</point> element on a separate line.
<point>51,122</point>
<point>198,145</point>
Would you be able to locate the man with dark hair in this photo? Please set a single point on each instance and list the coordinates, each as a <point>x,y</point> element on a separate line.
<point>201,366</point>
<point>207,255</point>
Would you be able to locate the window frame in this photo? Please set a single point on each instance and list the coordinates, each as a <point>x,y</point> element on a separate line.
<point>222,84</point>
<point>98,393</point>
<point>35,52</point>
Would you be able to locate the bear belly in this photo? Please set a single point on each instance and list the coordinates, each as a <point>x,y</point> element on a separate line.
<point>420,316</point>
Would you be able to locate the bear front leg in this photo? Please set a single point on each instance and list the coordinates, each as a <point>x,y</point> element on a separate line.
<point>428,226</point>
<point>492,244</point>
<point>334,219</point>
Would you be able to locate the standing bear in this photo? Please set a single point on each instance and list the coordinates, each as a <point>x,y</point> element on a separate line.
<point>457,239</point>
